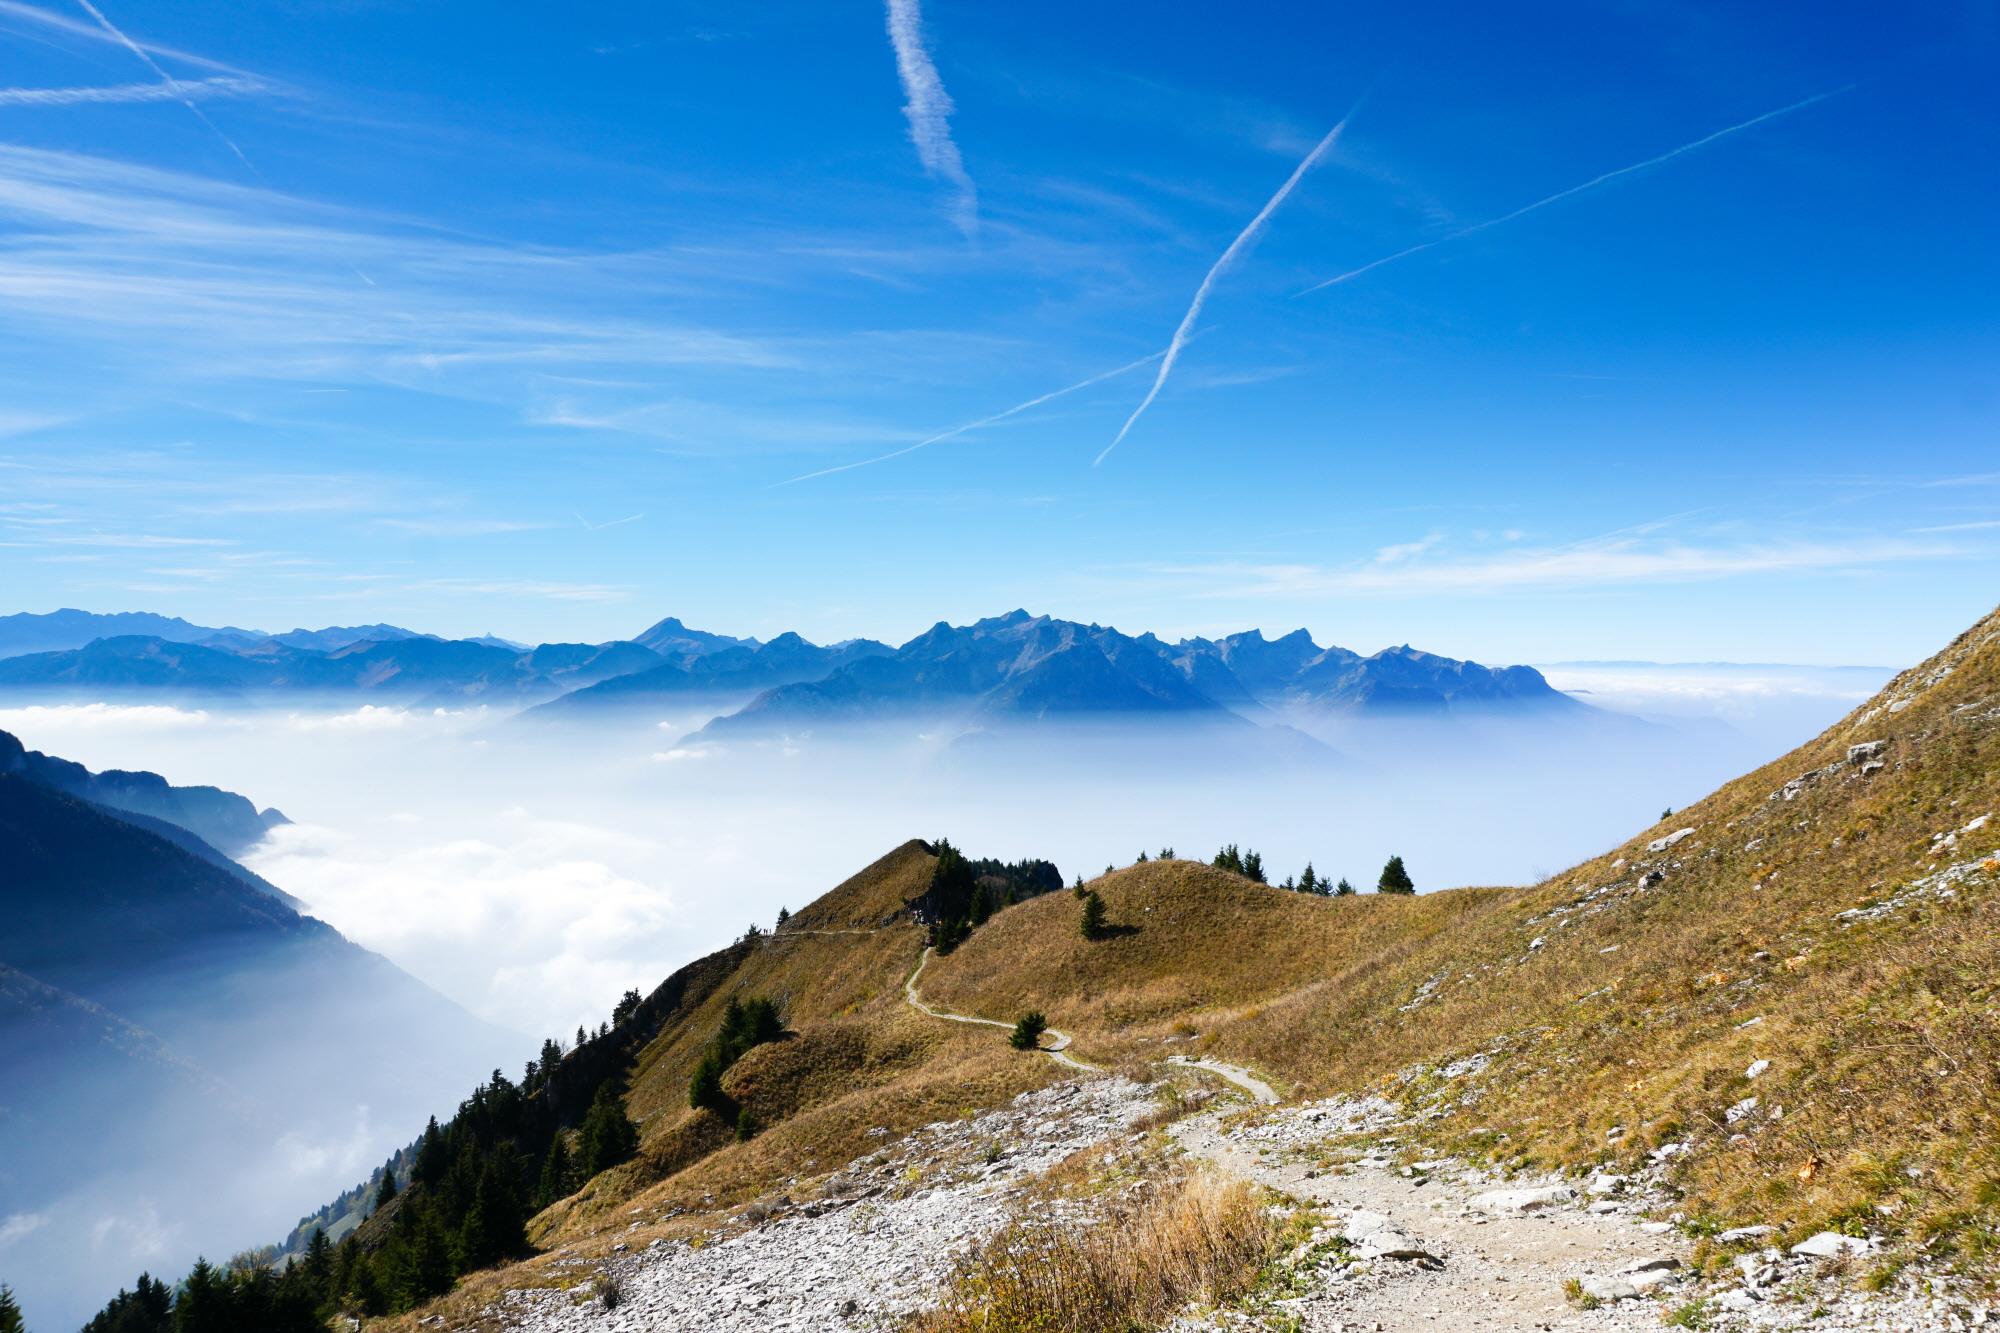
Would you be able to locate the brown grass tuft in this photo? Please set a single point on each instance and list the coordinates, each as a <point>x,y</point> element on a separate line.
<point>1132,1265</point>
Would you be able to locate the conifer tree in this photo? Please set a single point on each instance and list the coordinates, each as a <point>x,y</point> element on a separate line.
<point>609,1137</point>
<point>1343,889</point>
<point>1253,866</point>
<point>556,1169</point>
<point>203,1303</point>
<point>10,1311</point>
<point>1395,879</point>
<point>317,1266</point>
<point>1093,915</point>
<point>784,915</point>
<point>432,1160</point>
<point>387,1189</point>
<point>1308,880</point>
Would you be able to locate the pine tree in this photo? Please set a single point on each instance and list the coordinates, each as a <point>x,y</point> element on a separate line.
<point>1343,889</point>
<point>1229,859</point>
<point>432,1159</point>
<point>203,1304</point>
<point>387,1189</point>
<point>1028,1030</point>
<point>609,1136</point>
<point>784,915</point>
<point>1308,880</point>
<point>366,1288</point>
<point>1077,888</point>
<point>1166,853</point>
<point>1142,856</point>
<point>1093,915</point>
<point>429,1269</point>
<point>1253,867</point>
<point>10,1311</point>
<point>317,1266</point>
<point>556,1168</point>
<point>1395,879</point>
<point>628,1004</point>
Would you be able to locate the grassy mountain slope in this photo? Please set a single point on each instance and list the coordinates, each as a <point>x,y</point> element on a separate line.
<point>1620,1005</point>
<point>1831,914</point>
<point>856,1065</point>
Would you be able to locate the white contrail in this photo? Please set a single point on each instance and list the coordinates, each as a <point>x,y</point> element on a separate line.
<point>928,109</point>
<point>588,526</point>
<point>172,84</point>
<point>129,92</point>
<point>983,421</point>
<point>1236,247</point>
<point>1590,184</point>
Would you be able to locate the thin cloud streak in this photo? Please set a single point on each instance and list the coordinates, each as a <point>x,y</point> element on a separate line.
<point>1586,565</point>
<point>1573,190</point>
<point>1242,242</point>
<point>172,84</point>
<point>13,9</point>
<point>928,108</point>
<point>224,86</point>
<point>983,421</point>
<point>588,526</point>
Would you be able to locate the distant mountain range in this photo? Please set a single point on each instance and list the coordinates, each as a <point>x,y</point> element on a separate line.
<point>1018,667</point>
<point>1006,669</point>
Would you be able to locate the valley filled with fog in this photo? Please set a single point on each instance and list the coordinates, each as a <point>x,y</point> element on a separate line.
<point>533,871</point>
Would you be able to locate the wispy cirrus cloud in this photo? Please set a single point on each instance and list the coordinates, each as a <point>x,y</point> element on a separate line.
<point>927,108</point>
<point>994,419</point>
<point>54,21</point>
<point>1237,247</point>
<point>1612,562</point>
<point>220,86</point>
<point>1574,190</point>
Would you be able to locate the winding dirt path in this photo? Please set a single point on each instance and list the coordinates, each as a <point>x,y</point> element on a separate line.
<point>1260,1092</point>
<point>1058,1042</point>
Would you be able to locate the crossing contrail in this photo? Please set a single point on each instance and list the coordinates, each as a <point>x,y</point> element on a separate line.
<point>983,421</point>
<point>172,84</point>
<point>1591,184</point>
<point>1242,242</point>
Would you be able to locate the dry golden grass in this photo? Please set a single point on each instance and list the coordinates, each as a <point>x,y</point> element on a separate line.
<point>1883,1035</point>
<point>1106,1266</point>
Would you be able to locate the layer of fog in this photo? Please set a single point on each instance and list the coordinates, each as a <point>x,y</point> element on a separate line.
<point>1772,708</point>
<point>532,873</point>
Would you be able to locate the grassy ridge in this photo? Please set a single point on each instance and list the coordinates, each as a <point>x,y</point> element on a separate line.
<point>1620,1005</point>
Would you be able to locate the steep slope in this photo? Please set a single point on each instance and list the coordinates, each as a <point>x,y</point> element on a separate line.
<point>177,1041</point>
<point>1785,989</point>
<point>228,823</point>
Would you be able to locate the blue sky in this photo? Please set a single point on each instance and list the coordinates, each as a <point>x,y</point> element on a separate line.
<point>323,313</point>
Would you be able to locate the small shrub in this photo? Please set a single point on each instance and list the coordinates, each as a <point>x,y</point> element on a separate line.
<point>1028,1030</point>
<point>610,1290</point>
